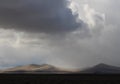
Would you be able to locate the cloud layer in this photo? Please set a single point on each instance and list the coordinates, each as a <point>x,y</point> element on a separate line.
<point>44,16</point>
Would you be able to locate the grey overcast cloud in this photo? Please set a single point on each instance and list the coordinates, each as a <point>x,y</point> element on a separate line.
<point>64,33</point>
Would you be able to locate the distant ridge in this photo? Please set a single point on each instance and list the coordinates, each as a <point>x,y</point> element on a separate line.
<point>35,68</point>
<point>49,69</point>
<point>102,69</point>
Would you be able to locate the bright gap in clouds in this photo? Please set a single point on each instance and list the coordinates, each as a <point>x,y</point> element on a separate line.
<point>82,33</point>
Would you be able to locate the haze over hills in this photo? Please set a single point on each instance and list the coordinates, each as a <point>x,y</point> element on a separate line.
<point>49,69</point>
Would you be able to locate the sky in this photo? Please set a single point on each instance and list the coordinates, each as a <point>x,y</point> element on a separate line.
<point>63,33</point>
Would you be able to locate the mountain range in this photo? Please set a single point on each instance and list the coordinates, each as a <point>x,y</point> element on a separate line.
<point>49,69</point>
<point>35,68</point>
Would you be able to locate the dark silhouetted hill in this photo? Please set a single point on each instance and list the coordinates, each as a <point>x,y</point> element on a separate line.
<point>102,69</point>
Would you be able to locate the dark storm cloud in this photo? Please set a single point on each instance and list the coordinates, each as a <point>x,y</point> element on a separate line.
<point>47,16</point>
